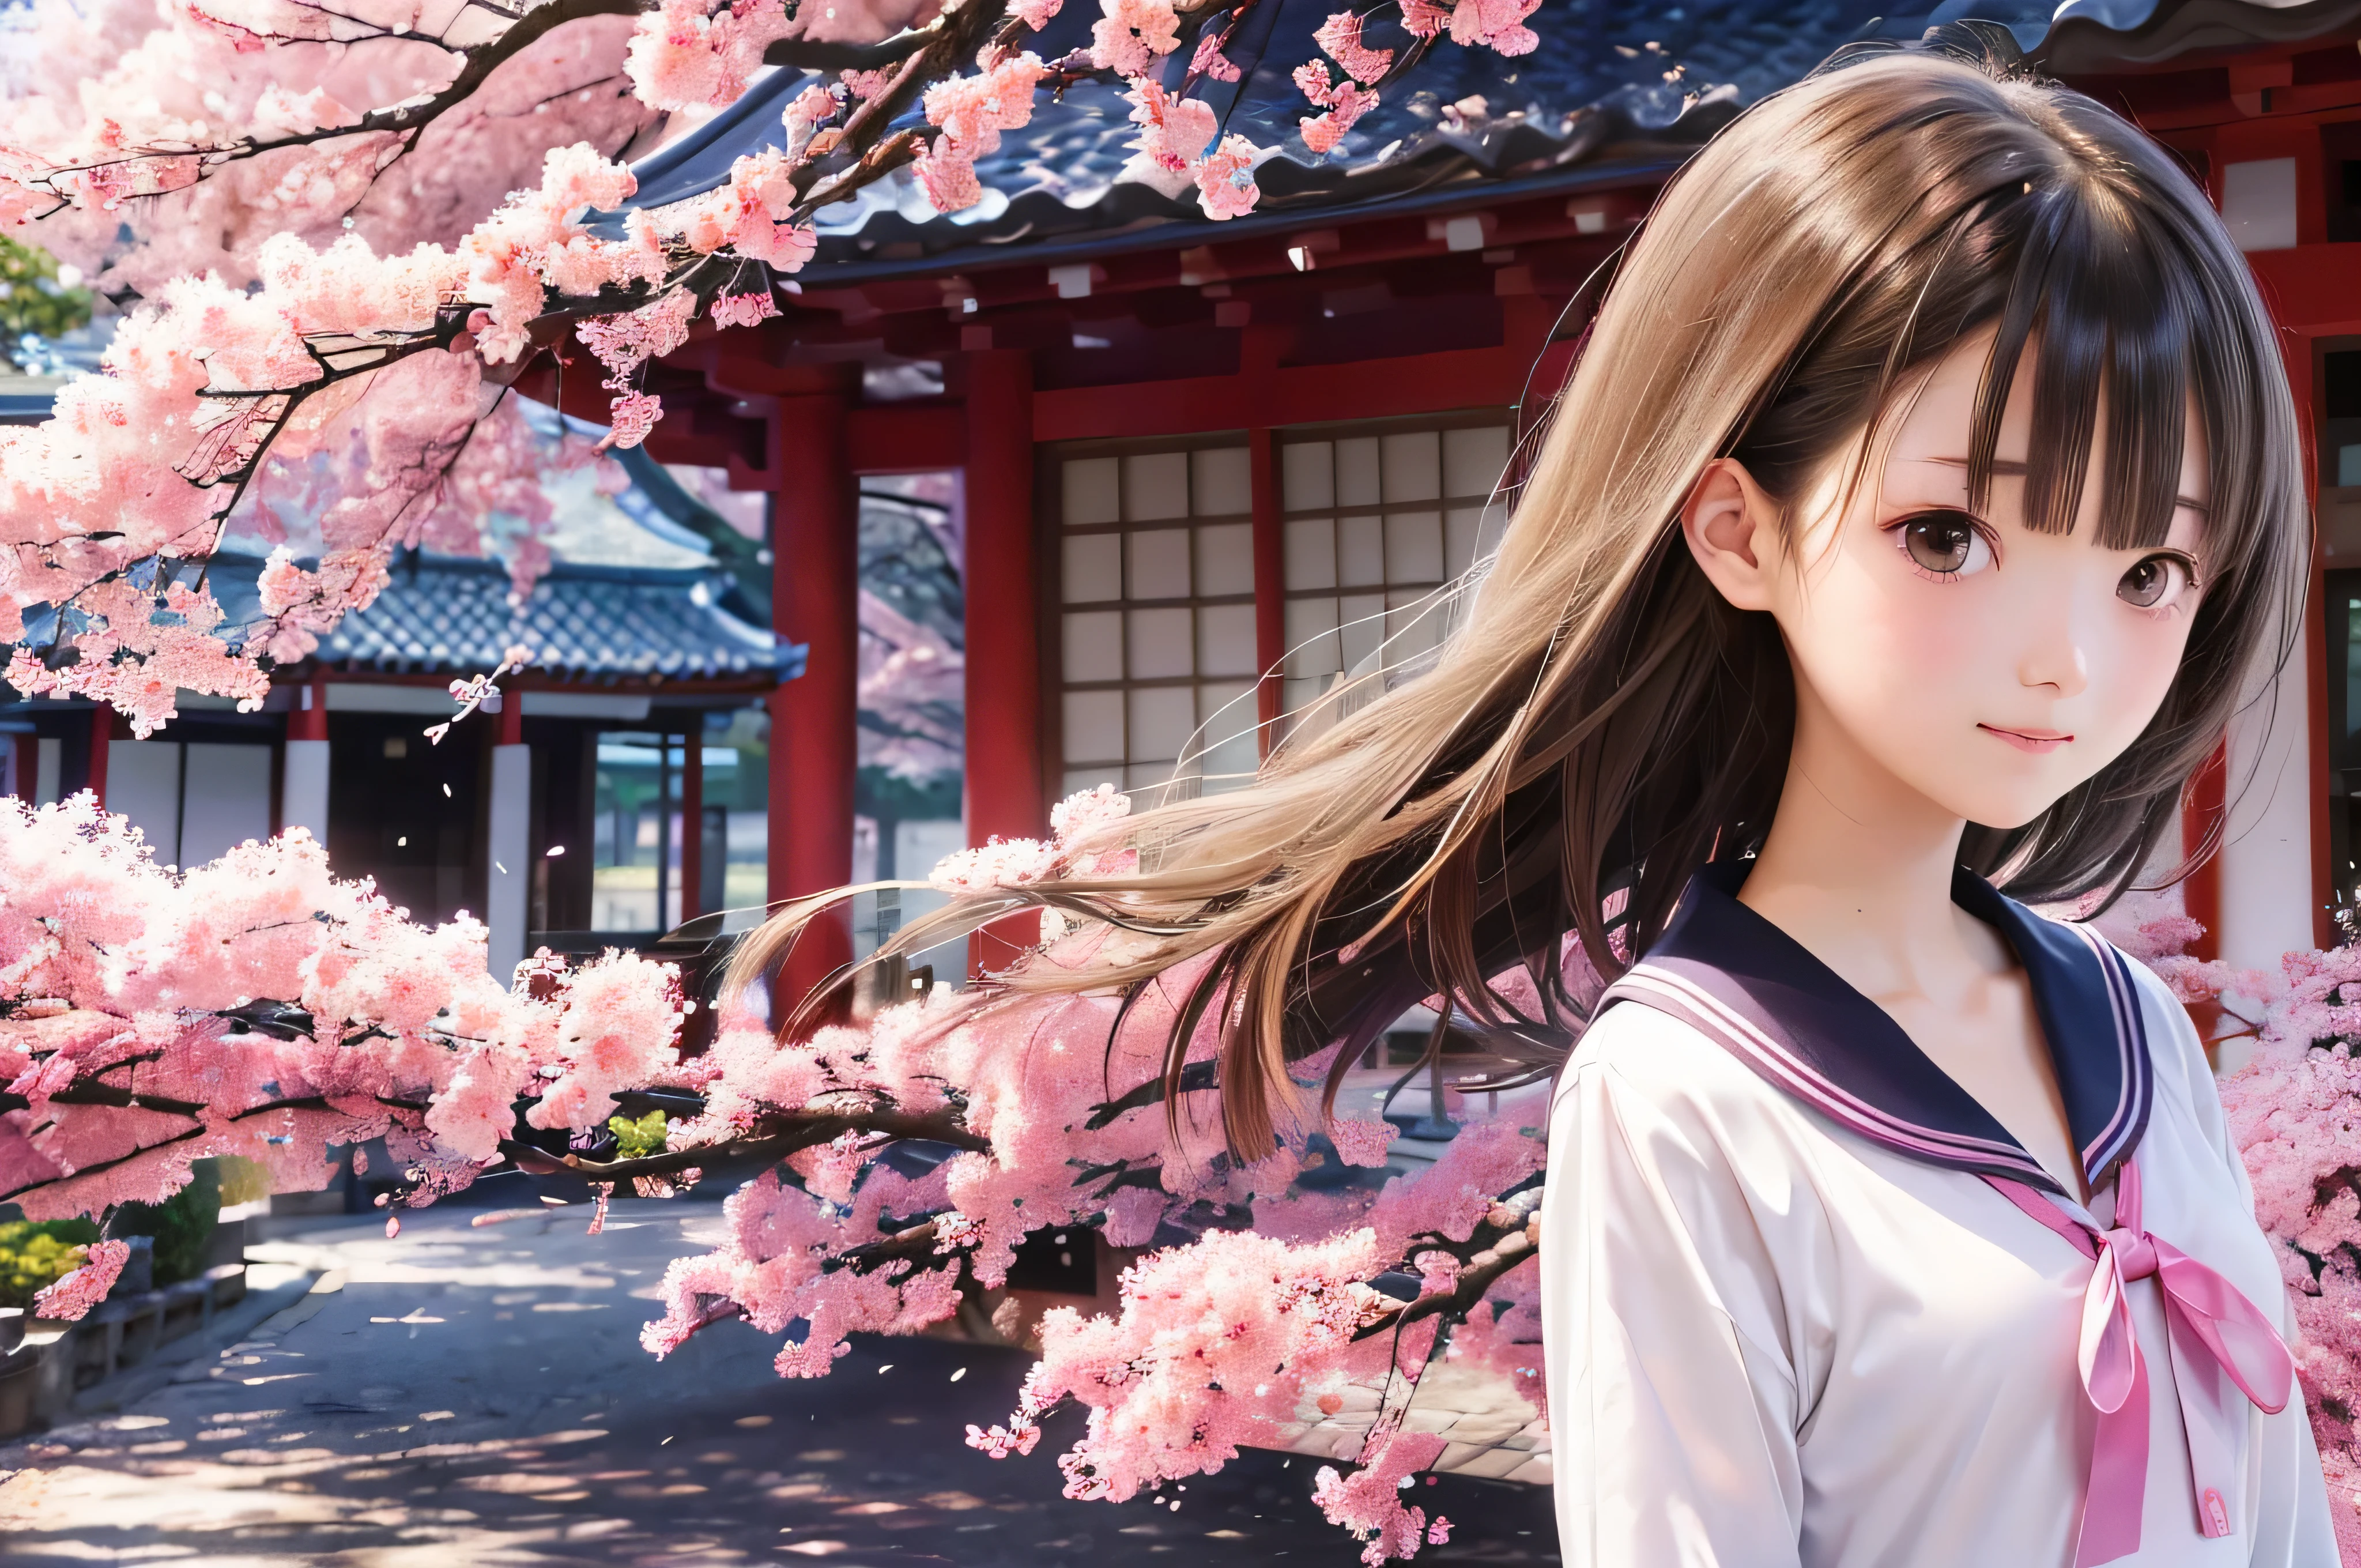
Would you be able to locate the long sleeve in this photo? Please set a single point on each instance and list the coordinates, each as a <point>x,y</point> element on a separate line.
<point>1673,1417</point>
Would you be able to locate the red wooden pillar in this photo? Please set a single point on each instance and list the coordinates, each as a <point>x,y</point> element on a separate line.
<point>815,584</point>
<point>1269,580</point>
<point>308,720</point>
<point>1005,793</point>
<point>102,730</point>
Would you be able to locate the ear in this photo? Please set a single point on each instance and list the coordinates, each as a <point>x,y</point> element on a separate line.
<point>1732,529</point>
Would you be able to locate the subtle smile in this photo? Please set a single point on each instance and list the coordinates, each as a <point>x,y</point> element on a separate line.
<point>2029,740</point>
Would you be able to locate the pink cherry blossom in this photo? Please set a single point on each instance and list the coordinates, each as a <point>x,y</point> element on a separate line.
<point>1346,103</point>
<point>1209,59</point>
<point>1339,35</point>
<point>1225,182</point>
<point>742,310</point>
<point>1132,33</point>
<point>67,1299</point>
<point>1174,133</point>
<point>1497,24</point>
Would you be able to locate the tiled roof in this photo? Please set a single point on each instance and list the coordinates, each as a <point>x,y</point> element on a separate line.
<point>1589,107</point>
<point>440,614</point>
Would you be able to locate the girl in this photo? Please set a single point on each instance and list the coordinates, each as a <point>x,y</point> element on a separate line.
<point>1927,500</point>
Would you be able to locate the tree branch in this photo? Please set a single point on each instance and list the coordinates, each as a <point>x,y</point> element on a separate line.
<point>803,1130</point>
<point>1475,1277</point>
<point>479,63</point>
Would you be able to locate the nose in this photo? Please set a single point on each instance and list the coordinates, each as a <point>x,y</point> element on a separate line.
<point>2053,654</point>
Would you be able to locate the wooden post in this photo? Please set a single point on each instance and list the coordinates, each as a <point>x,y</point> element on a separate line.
<point>102,731</point>
<point>815,566</point>
<point>1270,581</point>
<point>692,825</point>
<point>1006,794</point>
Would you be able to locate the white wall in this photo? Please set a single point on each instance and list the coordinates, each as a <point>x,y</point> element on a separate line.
<point>2267,853</point>
<point>193,802</point>
<point>224,798</point>
<point>143,783</point>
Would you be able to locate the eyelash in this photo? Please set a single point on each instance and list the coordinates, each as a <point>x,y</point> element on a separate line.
<point>1898,530</point>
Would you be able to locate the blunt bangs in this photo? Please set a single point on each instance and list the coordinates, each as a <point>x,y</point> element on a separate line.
<point>2113,305</point>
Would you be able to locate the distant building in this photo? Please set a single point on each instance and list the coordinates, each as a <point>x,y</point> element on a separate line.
<point>621,790</point>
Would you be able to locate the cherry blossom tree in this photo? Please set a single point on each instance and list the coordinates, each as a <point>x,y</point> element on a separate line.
<point>343,225</point>
<point>2294,1110</point>
<point>887,1168</point>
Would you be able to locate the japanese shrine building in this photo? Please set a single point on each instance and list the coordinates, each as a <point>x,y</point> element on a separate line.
<point>1203,466</point>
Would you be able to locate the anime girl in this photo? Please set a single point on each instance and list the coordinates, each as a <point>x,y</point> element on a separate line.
<point>1925,502</point>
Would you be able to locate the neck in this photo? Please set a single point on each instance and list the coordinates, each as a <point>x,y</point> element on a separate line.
<point>1857,865</point>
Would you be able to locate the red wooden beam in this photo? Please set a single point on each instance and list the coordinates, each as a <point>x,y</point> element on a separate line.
<point>1005,796</point>
<point>1265,393</point>
<point>908,438</point>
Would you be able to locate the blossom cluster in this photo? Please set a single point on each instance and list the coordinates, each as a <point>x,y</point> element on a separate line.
<point>2294,1113</point>
<point>260,1007</point>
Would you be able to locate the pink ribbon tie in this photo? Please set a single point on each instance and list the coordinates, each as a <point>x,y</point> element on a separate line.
<point>2207,1320</point>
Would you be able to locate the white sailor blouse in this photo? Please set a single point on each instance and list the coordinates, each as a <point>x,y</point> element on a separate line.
<point>1806,1302</point>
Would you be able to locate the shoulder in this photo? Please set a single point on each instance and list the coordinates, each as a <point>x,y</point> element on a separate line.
<point>2184,1077</point>
<point>1640,1064</point>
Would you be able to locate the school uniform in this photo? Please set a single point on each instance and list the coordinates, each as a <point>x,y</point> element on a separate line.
<point>1806,1302</point>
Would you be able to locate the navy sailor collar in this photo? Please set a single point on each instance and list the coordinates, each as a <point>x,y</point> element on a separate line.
<point>1756,990</point>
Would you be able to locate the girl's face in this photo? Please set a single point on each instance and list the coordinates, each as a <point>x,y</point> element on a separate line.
<point>1958,653</point>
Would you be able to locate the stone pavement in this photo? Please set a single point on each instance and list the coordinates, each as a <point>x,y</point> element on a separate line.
<point>469,1396</point>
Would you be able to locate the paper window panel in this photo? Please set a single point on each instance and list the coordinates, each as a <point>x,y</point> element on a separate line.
<point>1093,725</point>
<point>1156,564</point>
<point>1361,626</point>
<point>1225,559</point>
<point>1226,716</point>
<point>1307,476</point>
<point>1410,463</point>
<point>1078,779</point>
<point>1473,460</point>
<point>1221,482</point>
<point>1357,483</point>
<point>1158,644</point>
<point>1155,486</point>
<point>1414,547</point>
<point>1360,552</point>
<point>1093,492</point>
<point>1310,551</point>
<point>1463,529</point>
<point>1311,647</point>
<point>1092,568</point>
<point>1225,641</point>
<point>1299,694</point>
<point>1413,623</point>
<point>1162,720</point>
<point>1094,646</point>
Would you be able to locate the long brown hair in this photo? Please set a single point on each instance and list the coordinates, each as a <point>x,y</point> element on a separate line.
<point>1603,722</point>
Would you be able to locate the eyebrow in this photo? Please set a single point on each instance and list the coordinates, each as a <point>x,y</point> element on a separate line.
<point>2013,470</point>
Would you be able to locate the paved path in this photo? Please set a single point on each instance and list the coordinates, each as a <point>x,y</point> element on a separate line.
<point>472,1395</point>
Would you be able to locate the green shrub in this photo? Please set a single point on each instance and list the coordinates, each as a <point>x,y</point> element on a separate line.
<point>243,1181</point>
<point>183,1224</point>
<point>637,1140</point>
<point>33,1253</point>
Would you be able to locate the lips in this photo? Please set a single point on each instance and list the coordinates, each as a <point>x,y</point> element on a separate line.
<point>2034,741</point>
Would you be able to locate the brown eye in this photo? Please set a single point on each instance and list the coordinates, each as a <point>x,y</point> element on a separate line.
<point>2155,583</point>
<point>1946,545</point>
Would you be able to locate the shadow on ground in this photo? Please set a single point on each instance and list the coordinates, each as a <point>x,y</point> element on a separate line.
<point>478,1396</point>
